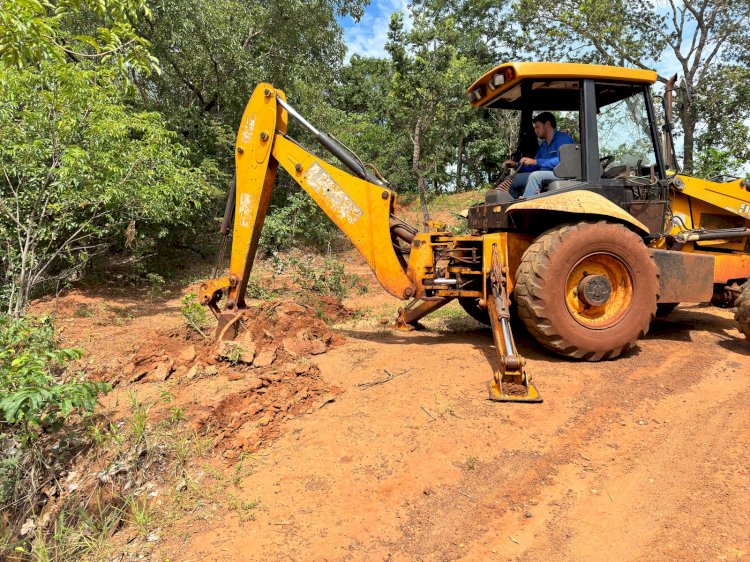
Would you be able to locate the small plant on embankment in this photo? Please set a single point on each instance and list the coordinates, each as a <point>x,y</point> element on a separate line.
<point>327,279</point>
<point>45,407</point>
<point>194,313</point>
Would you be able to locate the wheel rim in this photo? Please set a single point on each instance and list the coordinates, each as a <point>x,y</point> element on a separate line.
<point>607,279</point>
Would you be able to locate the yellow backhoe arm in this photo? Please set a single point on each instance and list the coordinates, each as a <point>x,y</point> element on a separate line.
<point>360,208</point>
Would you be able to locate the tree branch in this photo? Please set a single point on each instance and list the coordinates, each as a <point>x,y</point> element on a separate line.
<point>70,239</point>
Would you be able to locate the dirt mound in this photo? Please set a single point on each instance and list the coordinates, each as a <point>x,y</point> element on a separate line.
<point>287,328</point>
<point>251,418</point>
<point>268,364</point>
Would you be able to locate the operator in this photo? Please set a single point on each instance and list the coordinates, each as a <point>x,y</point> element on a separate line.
<point>536,173</point>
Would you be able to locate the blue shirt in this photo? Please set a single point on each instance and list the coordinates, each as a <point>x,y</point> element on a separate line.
<point>548,156</point>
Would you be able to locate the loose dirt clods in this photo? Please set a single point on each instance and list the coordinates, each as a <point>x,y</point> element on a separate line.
<point>267,364</point>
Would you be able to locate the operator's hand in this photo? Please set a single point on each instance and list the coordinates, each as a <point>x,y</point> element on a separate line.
<point>510,164</point>
<point>527,161</point>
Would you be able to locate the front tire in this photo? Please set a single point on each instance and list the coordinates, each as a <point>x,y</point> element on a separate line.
<point>587,290</point>
<point>742,310</point>
<point>664,308</point>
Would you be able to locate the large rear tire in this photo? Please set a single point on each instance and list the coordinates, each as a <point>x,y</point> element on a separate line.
<point>587,290</point>
<point>742,310</point>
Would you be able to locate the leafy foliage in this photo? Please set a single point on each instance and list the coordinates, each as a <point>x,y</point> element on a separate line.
<point>82,172</point>
<point>194,313</point>
<point>32,31</point>
<point>213,52</point>
<point>37,393</point>
<point>723,142</point>
<point>298,220</point>
<point>329,279</point>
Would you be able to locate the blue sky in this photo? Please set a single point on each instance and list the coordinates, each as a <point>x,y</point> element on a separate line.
<point>368,37</point>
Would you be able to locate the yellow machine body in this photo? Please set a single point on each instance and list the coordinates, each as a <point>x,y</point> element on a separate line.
<point>705,204</point>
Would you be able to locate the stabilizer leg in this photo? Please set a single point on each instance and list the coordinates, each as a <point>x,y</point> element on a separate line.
<point>511,383</point>
<point>417,309</point>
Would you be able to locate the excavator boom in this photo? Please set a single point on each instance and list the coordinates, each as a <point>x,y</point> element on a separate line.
<point>361,208</point>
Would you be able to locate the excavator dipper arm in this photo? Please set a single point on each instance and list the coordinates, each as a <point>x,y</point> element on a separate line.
<point>511,383</point>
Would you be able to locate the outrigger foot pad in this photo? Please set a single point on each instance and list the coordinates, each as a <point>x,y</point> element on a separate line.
<point>513,390</point>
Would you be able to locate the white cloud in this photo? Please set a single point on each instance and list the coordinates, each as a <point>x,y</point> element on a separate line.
<point>368,37</point>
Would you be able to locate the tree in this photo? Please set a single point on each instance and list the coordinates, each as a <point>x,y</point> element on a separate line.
<point>213,52</point>
<point>428,81</point>
<point>723,139</point>
<point>32,31</point>
<point>451,43</point>
<point>82,171</point>
<point>697,34</point>
<point>365,110</point>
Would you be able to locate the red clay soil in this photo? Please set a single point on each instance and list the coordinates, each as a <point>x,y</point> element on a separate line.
<point>384,446</point>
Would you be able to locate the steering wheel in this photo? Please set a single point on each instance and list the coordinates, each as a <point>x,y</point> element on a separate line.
<point>605,161</point>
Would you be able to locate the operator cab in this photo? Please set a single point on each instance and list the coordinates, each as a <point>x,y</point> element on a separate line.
<point>609,113</point>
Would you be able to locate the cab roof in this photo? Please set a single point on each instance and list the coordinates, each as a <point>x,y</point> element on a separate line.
<point>501,86</point>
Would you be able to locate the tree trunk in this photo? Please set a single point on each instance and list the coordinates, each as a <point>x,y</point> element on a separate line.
<point>417,169</point>
<point>687,118</point>
<point>459,164</point>
<point>688,128</point>
<point>24,275</point>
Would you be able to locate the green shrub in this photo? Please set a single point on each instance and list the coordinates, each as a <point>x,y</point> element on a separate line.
<point>156,285</point>
<point>194,313</point>
<point>299,220</point>
<point>328,279</point>
<point>36,392</point>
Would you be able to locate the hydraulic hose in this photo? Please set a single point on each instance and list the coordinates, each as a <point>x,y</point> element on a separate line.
<point>333,146</point>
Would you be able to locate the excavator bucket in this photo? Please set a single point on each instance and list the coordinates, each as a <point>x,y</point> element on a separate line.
<point>511,383</point>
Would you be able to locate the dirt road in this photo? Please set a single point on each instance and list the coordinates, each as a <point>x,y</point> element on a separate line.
<point>642,458</point>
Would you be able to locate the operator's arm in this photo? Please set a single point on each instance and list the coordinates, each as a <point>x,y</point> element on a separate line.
<point>524,165</point>
<point>528,165</point>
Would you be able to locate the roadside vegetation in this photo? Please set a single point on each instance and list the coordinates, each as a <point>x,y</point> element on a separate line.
<point>75,483</point>
<point>46,410</point>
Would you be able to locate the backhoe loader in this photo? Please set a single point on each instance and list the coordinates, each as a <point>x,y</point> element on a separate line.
<point>587,263</point>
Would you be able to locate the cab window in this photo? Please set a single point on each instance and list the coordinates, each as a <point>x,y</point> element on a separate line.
<point>623,130</point>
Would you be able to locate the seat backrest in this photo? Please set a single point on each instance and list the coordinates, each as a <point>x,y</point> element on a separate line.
<point>570,162</point>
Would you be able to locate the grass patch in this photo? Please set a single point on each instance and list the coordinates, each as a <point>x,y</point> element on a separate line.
<point>83,311</point>
<point>139,514</point>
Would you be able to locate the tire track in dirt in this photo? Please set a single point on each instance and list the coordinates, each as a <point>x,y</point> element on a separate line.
<point>613,399</point>
<point>372,477</point>
<point>657,494</point>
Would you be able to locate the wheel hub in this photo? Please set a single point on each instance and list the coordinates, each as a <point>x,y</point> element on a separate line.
<point>599,290</point>
<point>594,290</point>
